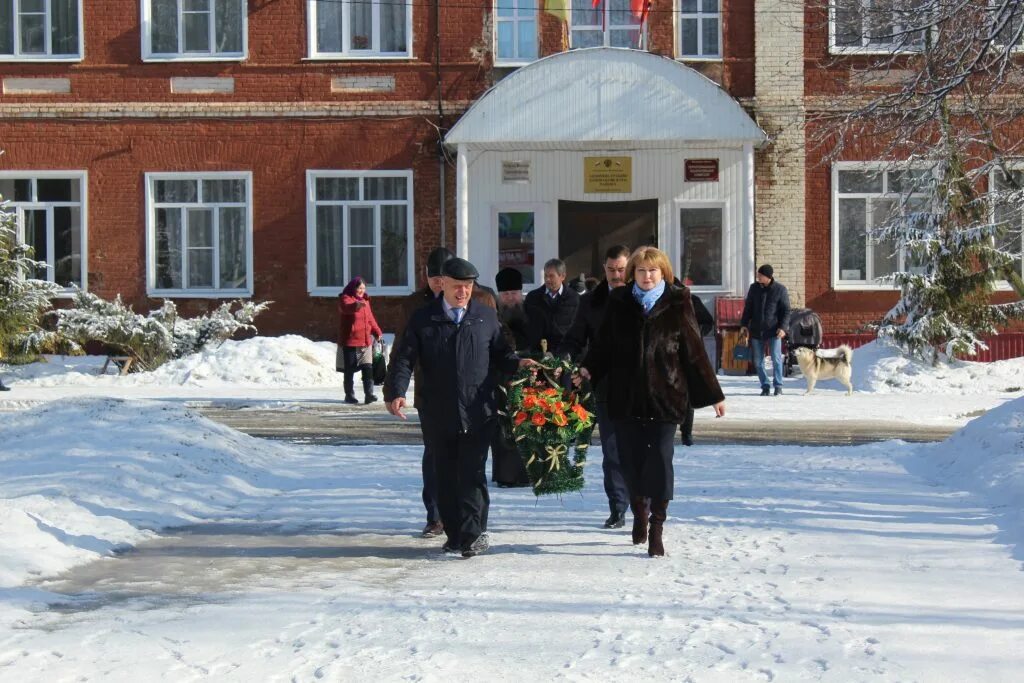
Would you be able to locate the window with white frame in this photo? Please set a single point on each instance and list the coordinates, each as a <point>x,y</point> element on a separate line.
<point>194,29</point>
<point>359,28</point>
<point>1008,23</point>
<point>517,244</point>
<point>702,232</point>
<point>1008,214</point>
<point>875,25</point>
<point>360,224</point>
<point>40,29</point>
<point>700,29</point>
<point>866,200</point>
<point>604,23</point>
<point>199,233</point>
<point>515,31</point>
<point>49,209</point>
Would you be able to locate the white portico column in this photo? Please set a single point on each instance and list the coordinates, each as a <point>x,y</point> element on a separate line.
<point>462,204</point>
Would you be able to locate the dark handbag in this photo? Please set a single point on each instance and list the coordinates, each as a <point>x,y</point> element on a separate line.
<point>380,363</point>
<point>741,352</point>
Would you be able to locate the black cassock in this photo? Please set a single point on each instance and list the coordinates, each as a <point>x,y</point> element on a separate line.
<point>507,467</point>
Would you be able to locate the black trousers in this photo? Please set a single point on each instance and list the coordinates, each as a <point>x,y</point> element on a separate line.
<point>429,469</point>
<point>507,466</point>
<point>611,463</point>
<point>646,448</point>
<point>351,355</point>
<point>460,462</point>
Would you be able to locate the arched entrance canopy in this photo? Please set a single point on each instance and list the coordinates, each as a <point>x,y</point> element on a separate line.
<point>608,98</point>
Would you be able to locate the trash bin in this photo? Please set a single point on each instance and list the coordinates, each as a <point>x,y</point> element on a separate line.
<point>728,311</point>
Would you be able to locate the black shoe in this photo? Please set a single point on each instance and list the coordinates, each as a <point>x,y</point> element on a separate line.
<point>449,548</point>
<point>352,399</point>
<point>433,529</point>
<point>766,391</point>
<point>687,439</point>
<point>616,520</point>
<point>370,399</point>
<point>4,387</point>
<point>778,391</point>
<point>481,544</point>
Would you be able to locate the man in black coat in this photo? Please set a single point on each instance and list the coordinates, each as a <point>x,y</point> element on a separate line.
<point>457,343</point>
<point>575,344</point>
<point>765,320</point>
<point>507,467</point>
<point>551,308</point>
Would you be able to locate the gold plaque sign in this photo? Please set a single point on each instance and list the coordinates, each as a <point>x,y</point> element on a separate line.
<point>607,174</point>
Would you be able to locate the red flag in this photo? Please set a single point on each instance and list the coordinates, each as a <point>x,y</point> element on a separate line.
<point>639,9</point>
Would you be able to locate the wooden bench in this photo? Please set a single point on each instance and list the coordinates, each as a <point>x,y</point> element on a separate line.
<point>124,364</point>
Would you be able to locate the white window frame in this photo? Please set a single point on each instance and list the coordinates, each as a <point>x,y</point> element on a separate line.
<point>1003,285</point>
<point>700,15</point>
<point>147,38</point>
<point>347,53</point>
<point>312,202</point>
<point>605,28</point>
<point>1019,47</point>
<point>880,166</point>
<point>194,292</point>
<point>18,209</point>
<point>539,212</point>
<point>519,15</point>
<point>729,249</point>
<point>16,56</point>
<point>863,49</point>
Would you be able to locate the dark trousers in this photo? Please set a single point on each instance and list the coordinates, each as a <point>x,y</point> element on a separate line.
<point>507,466</point>
<point>429,481</point>
<point>614,481</point>
<point>460,461</point>
<point>646,448</point>
<point>351,360</point>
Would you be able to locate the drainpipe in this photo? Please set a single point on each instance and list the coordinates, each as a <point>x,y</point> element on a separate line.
<point>440,119</point>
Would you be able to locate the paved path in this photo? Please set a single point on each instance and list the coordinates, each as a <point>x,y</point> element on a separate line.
<point>331,424</point>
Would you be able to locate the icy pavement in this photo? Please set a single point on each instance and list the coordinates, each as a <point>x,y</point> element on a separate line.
<point>785,563</point>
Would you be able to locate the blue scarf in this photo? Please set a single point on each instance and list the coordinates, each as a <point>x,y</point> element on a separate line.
<point>650,297</point>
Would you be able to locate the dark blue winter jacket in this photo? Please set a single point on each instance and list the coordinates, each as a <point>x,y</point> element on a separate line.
<point>455,389</point>
<point>766,310</point>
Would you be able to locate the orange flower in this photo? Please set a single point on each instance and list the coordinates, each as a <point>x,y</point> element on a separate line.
<point>538,419</point>
<point>560,419</point>
<point>550,392</point>
<point>530,402</point>
<point>521,418</point>
<point>581,412</point>
<point>559,405</point>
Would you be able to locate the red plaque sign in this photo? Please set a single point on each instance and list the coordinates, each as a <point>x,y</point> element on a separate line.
<point>701,170</point>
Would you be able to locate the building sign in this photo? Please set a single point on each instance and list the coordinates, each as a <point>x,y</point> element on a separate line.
<point>607,174</point>
<point>701,170</point>
<point>515,171</point>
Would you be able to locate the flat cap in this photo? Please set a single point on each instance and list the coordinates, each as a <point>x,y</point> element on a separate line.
<point>436,260</point>
<point>459,269</point>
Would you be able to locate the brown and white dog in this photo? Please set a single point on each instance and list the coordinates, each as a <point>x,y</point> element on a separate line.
<point>815,367</point>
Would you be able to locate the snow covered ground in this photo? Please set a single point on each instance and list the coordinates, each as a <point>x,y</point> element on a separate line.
<point>144,542</point>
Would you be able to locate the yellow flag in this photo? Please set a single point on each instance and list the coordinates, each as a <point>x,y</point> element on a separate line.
<point>557,8</point>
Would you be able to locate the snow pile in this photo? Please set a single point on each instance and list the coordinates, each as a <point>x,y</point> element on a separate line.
<point>985,457</point>
<point>881,368</point>
<point>79,478</point>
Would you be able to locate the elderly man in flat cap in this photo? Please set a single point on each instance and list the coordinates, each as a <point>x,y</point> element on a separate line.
<point>458,344</point>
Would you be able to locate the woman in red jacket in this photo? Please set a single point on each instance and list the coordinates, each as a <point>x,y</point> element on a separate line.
<point>356,333</point>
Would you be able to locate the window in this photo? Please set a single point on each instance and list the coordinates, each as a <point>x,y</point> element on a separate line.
<point>1008,22</point>
<point>875,25</point>
<point>607,23</point>
<point>40,29</point>
<point>199,234</point>
<point>866,199</point>
<point>515,30</point>
<point>1009,214</point>
<point>360,28</point>
<point>194,29</point>
<point>702,235</point>
<point>700,29</point>
<point>517,241</point>
<point>359,224</point>
<point>50,214</point>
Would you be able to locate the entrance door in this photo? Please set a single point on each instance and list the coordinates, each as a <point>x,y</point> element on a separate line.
<point>587,229</point>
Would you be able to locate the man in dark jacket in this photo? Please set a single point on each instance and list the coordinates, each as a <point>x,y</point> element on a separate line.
<point>575,344</point>
<point>415,301</point>
<point>458,344</point>
<point>551,308</point>
<point>765,320</point>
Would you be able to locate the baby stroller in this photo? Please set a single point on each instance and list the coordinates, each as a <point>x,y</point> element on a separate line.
<point>804,331</point>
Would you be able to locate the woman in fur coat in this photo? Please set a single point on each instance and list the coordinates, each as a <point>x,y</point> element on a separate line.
<point>650,349</point>
<point>357,329</point>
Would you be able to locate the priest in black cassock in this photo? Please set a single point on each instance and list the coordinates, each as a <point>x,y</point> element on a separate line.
<point>507,468</point>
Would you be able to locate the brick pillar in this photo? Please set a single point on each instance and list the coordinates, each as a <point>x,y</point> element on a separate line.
<point>779,168</point>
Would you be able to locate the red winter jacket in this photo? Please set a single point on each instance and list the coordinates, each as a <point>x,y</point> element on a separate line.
<point>356,325</point>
